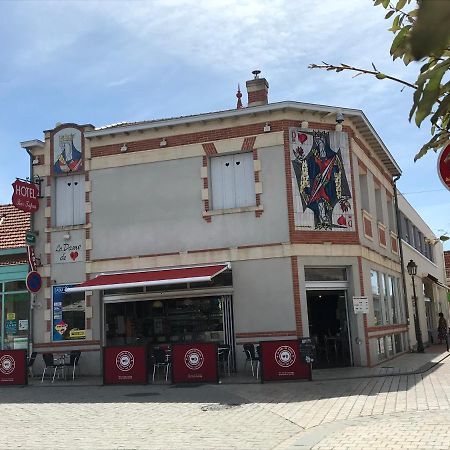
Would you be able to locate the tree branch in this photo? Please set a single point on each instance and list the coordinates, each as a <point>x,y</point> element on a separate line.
<point>375,73</point>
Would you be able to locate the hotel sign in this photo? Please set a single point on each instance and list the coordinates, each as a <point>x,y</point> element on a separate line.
<point>444,166</point>
<point>25,196</point>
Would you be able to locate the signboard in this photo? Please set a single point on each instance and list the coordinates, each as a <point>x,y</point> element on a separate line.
<point>195,363</point>
<point>307,350</point>
<point>25,196</point>
<point>68,252</point>
<point>125,365</point>
<point>13,367</point>
<point>361,305</point>
<point>10,326</point>
<point>280,360</point>
<point>34,282</point>
<point>31,258</point>
<point>30,238</point>
<point>444,166</point>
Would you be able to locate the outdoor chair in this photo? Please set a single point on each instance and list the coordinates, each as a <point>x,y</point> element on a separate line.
<point>73,361</point>
<point>161,358</point>
<point>30,363</point>
<point>252,358</point>
<point>223,354</point>
<point>50,364</point>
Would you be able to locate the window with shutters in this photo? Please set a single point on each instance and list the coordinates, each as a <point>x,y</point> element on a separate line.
<point>232,181</point>
<point>70,196</point>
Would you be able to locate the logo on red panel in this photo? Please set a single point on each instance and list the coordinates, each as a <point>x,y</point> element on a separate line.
<point>125,361</point>
<point>7,364</point>
<point>285,356</point>
<point>194,359</point>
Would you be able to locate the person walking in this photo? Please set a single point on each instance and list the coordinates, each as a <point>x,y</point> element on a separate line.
<point>442,329</point>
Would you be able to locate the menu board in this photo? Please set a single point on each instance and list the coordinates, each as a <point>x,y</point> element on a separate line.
<point>307,350</point>
<point>280,360</point>
<point>13,367</point>
<point>125,365</point>
<point>195,363</point>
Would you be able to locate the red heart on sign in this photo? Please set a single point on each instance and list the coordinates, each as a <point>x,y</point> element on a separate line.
<point>74,255</point>
<point>302,137</point>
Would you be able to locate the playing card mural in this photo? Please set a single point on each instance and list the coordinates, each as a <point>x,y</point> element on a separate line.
<point>67,151</point>
<point>321,180</point>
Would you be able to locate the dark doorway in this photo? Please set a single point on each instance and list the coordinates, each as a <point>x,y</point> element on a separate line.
<point>328,326</point>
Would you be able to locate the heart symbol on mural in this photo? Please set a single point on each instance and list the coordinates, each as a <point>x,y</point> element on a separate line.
<point>302,137</point>
<point>74,255</point>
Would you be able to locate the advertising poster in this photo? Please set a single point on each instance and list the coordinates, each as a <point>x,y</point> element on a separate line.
<point>195,363</point>
<point>281,360</point>
<point>125,365</point>
<point>68,314</point>
<point>13,367</point>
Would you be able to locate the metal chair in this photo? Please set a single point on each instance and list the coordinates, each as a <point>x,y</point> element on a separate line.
<point>50,364</point>
<point>161,358</point>
<point>252,358</point>
<point>30,363</point>
<point>223,355</point>
<point>73,361</point>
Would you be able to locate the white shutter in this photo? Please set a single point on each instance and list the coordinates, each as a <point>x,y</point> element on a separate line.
<point>79,210</point>
<point>222,182</point>
<point>244,179</point>
<point>64,201</point>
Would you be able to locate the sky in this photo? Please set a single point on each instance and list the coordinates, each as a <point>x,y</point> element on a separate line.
<point>104,62</point>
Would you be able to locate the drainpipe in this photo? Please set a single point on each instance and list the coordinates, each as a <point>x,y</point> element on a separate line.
<point>402,261</point>
<point>32,296</point>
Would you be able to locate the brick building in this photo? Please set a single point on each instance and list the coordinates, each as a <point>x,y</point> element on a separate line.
<point>256,223</point>
<point>15,299</point>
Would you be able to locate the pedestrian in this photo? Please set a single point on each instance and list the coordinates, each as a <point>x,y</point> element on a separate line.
<point>442,329</point>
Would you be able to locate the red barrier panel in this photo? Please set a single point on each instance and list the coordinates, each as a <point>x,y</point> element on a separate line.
<point>13,367</point>
<point>195,363</point>
<point>125,365</point>
<point>280,360</point>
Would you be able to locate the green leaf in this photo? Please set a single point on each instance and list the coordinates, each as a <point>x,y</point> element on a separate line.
<point>444,238</point>
<point>431,33</point>
<point>380,76</point>
<point>429,97</point>
<point>400,4</point>
<point>389,14</point>
<point>398,44</point>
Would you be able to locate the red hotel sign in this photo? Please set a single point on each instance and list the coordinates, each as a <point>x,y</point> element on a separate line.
<point>13,367</point>
<point>280,360</point>
<point>25,196</point>
<point>444,166</point>
<point>125,365</point>
<point>195,363</point>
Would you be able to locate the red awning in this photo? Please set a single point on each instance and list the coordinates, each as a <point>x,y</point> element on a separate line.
<point>151,278</point>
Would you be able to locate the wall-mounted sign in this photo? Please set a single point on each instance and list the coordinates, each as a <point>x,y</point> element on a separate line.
<point>125,365</point>
<point>195,363</point>
<point>25,196</point>
<point>30,238</point>
<point>13,367</point>
<point>11,326</point>
<point>280,360</point>
<point>67,251</point>
<point>444,166</point>
<point>32,261</point>
<point>361,305</point>
<point>321,180</point>
<point>34,282</point>
<point>67,150</point>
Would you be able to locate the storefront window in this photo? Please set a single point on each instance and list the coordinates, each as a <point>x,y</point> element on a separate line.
<point>68,314</point>
<point>378,313</point>
<point>166,321</point>
<point>385,297</point>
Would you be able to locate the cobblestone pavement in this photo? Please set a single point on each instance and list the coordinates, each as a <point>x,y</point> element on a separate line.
<point>407,411</point>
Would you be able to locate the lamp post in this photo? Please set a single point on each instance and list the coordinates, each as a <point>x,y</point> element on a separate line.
<point>412,270</point>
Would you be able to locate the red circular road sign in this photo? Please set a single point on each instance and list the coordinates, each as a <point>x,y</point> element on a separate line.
<point>34,281</point>
<point>444,166</point>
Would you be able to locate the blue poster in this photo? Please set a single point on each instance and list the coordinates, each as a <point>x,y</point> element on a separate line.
<point>59,326</point>
<point>11,326</point>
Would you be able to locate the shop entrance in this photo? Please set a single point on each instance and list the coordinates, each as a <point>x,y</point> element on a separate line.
<point>329,327</point>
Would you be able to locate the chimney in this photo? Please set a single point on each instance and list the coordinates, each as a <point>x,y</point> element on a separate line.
<point>257,90</point>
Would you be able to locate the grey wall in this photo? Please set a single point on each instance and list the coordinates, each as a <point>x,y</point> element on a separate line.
<point>157,208</point>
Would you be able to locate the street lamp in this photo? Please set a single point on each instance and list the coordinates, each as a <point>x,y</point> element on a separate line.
<point>412,270</point>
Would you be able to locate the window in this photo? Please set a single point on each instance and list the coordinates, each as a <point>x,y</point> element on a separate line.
<point>364,192</point>
<point>68,314</point>
<point>378,313</point>
<point>232,181</point>
<point>325,274</point>
<point>378,205</point>
<point>70,196</point>
<point>386,305</point>
<point>391,215</point>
